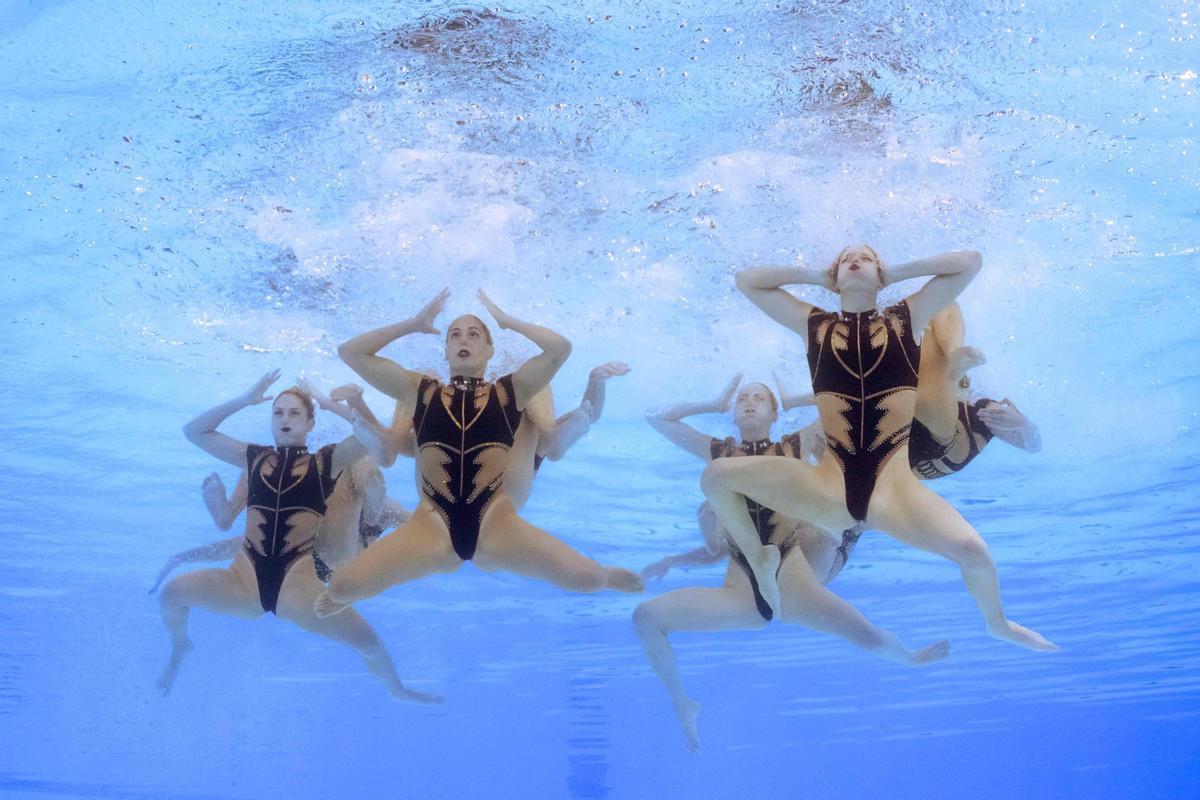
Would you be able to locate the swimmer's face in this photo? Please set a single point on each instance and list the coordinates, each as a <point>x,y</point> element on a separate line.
<point>290,421</point>
<point>858,266</point>
<point>755,406</point>
<point>468,346</point>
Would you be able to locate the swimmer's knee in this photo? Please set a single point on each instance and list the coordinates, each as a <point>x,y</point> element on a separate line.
<point>645,618</point>
<point>971,551</point>
<point>716,475</point>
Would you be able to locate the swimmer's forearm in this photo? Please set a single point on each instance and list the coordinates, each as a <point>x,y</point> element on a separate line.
<point>678,412</point>
<point>767,278</point>
<point>594,394</point>
<point>553,344</point>
<point>791,401</point>
<point>208,421</point>
<point>371,342</point>
<point>954,262</point>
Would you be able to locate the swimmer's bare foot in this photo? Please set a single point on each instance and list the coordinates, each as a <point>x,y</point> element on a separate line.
<point>964,359</point>
<point>765,570</point>
<point>623,580</point>
<point>927,655</point>
<point>1009,425</point>
<point>406,695</point>
<point>1019,634</point>
<point>687,711</point>
<point>326,606</point>
<point>166,678</point>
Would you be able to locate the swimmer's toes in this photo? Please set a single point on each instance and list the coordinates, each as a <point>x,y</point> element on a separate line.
<point>934,652</point>
<point>426,698</point>
<point>768,579</point>
<point>1026,637</point>
<point>687,721</point>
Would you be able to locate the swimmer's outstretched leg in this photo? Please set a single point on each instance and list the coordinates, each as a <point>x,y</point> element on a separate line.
<point>300,590</point>
<point>224,591</point>
<point>417,548</point>
<point>692,609</point>
<point>213,551</point>
<point>807,602</point>
<point>510,543</point>
<point>921,518</point>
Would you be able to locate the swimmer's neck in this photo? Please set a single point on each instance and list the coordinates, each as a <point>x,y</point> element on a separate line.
<point>754,433</point>
<point>855,302</point>
<point>462,372</point>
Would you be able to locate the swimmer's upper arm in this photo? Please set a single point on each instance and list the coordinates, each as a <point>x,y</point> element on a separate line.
<point>385,375</point>
<point>778,304</point>
<point>683,435</point>
<point>217,444</point>
<point>942,289</point>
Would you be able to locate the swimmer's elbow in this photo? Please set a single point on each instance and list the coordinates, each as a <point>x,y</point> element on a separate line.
<point>346,352</point>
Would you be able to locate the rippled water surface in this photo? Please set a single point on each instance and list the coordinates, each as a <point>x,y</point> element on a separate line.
<point>192,194</point>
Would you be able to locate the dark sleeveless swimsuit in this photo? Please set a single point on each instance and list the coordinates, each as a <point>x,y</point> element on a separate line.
<point>930,458</point>
<point>287,490</point>
<point>464,430</point>
<point>765,520</point>
<point>862,363</point>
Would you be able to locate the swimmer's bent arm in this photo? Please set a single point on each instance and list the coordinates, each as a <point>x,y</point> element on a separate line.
<point>202,431</point>
<point>384,374</point>
<point>692,558</point>
<point>667,422</point>
<point>224,510</point>
<point>535,374</point>
<point>951,272</point>
<point>763,286</point>
<point>570,427</point>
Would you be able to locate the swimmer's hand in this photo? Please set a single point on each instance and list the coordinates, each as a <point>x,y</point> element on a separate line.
<point>212,489</point>
<point>788,400</point>
<point>1008,424</point>
<point>423,321</point>
<point>345,393</point>
<point>605,371</point>
<point>257,393</point>
<point>725,401</point>
<point>658,569</point>
<point>316,394</point>
<point>502,319</point>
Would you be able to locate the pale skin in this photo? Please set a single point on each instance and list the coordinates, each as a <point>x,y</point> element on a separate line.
<point>360,497</point>
<point>554,443</point>
<point>900,506</point>
<point>234,590</point>
<point>945,361</point>
<point>805,600</point>
<point>422,545</point>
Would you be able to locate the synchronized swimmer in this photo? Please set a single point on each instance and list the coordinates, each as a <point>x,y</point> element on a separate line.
<point>889,387</point>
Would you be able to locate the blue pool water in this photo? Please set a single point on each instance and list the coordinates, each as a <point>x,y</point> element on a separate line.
<point>194,193</point>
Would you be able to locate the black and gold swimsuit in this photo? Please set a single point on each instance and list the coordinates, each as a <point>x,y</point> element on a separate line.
<point>765,520</point>
<point>931,458</point>
<point>464,430</point>
<point>864,373</point>
<point>285,502</point>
